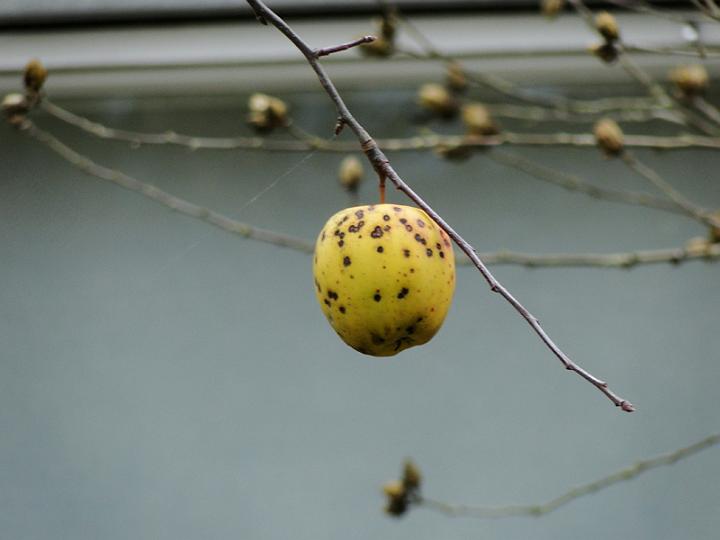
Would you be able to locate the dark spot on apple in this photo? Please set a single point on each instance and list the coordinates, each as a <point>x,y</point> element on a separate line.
<point>346,261</point>
<point>428,252</point>
<point>386,217</point>
<point>359,214</point>
<point>406,252</point>
<point>403,293</point>
<point>377,297</point>
<point>380,249</point>
<point>420,223</point>
<point>342,309</point>
<point>376,232</point>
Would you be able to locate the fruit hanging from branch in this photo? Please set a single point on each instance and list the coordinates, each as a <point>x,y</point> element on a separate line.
<point>384,277</point>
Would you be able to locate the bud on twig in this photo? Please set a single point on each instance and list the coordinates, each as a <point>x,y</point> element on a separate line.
<point>478,121</point>
<point>397,502</point>
<point>267,112</point>
<point>388,26</point>
<point>606,24</point>
<point>455,77</point>
<point>15,107</point>
<point>436,99</point>
<point>384,45</point>
<point>34,76</point>
<point>550,8</point>
<point>690,80</point>
<point>350,173</point>
<point>607,52</point>
<point>412,478</point>
<point>608,136</point>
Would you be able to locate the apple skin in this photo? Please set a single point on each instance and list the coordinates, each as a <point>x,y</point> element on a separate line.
<point>384,277</point>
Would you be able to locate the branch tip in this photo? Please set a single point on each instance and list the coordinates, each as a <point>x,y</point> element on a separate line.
<point>317,53</point>
<point>627,406</point>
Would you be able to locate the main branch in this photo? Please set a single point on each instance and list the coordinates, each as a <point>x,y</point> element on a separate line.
<point>384,170</point>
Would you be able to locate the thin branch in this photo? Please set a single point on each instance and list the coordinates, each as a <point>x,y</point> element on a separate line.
<point>537,510</point>
<point>690,208</point>
<point>708,252</point>
<point>663,99</point>
<point>415,143</point>
<point>536,113</point>
<point>702,251</point>
<point>672,51</point>
<point>575,183</point>
<point>344,47</point>
<point>644,7</point>
<point>384,170</point>
<point>163,197</point>
<point>706,108</point>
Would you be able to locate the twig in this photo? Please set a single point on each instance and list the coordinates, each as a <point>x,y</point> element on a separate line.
<point>610,260</point>
<point>537,510</point>
<point>535,113</point>
<point>344,47</point>
<point>575,183</point>
<point>706,108</point>
<point>166,199</point>
<point>691,209</point>
<point>644,7</point>
<point>303,144</point>
<point>654,89</point>
<point>705,251</point>
<point>385,170</point>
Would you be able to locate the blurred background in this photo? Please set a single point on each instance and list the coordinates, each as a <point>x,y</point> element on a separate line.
<point>161,378</point>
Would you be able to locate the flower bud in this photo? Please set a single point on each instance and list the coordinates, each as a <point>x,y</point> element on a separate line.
<point>350,173</point>
<point>455,77</point>
<point>478,121</point>
<point>34,76</point>
<point>388,26</point>
<point>397,501</point>
<point>412,478</point>
<point>267,112</point>
<point>15,107</point>
<point>550,8</point>
<point>437,99</point>
<point>608,136</point>
<point>607,52</point>
<point>690,80</point>
<point>606,24</point>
